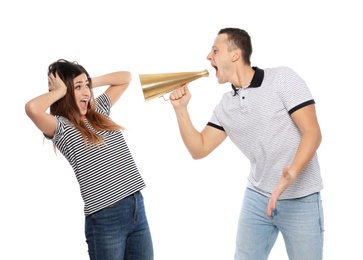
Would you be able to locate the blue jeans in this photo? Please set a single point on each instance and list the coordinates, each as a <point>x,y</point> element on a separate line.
<point>120,231</point>
<point>300,221</point>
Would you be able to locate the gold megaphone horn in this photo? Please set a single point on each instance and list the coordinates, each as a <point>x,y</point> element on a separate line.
<point>156,85</point>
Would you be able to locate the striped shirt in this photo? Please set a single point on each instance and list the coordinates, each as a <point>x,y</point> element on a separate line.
<point>257,120</point>
<point>106,174</point>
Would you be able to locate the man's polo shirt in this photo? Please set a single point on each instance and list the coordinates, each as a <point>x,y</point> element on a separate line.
<point>257,120</point>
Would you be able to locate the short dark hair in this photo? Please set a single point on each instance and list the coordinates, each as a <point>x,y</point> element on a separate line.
<point>239,38</point>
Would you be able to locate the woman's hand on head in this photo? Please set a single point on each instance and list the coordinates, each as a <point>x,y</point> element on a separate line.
<point>56,83</point>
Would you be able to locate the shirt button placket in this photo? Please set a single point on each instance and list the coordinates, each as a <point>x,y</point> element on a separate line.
<point>242,99</point>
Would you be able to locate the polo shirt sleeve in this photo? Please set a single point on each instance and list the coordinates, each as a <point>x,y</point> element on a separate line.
<point>213,122</point>
<point>293,91</point>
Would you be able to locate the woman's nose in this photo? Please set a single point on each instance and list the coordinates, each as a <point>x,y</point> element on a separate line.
<point>85,90</point>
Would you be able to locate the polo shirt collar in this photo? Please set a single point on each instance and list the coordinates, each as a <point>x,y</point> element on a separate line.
<point>256,80</point>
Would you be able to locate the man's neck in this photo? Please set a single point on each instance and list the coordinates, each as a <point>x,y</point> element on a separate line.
<point>244,76</point>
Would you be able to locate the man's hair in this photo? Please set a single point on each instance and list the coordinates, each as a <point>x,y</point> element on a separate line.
<point>238,38</point>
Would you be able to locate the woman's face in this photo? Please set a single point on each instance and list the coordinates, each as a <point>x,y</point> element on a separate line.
<point>82,93</point>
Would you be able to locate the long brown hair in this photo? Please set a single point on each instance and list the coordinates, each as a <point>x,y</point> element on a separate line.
<point>67,106</point>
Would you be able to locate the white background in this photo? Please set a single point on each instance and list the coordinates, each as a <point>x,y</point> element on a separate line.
<point>192,206</point>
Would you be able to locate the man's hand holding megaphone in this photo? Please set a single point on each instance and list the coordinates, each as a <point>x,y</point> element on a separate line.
<point>180,97</point>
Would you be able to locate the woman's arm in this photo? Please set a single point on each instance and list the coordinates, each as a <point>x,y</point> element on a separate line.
<point>36,108</point>
<point>117,81</point>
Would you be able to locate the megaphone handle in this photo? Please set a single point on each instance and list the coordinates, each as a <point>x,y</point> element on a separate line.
<point>165,98</point>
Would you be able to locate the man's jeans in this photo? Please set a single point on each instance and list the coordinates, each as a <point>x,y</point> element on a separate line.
<point>300,221</point>
<point>120,231</point>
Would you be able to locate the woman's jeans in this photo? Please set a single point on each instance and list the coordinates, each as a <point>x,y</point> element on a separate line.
<point>300,221</point>
<point>120,231</point>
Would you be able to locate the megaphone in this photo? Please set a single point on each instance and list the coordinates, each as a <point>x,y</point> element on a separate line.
<point>157,85</point>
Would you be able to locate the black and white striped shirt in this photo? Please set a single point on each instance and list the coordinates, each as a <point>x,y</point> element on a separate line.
<point>257,120</point>
<point>106,174</point>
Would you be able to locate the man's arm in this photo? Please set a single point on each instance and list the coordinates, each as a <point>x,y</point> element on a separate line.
<point>307,122</point>
<point>199,144</point>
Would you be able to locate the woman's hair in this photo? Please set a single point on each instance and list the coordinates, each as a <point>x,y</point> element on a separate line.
<point>238,38</point>
<point>67,106</point>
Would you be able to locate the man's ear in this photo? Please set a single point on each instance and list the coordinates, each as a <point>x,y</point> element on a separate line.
<point>236,54</point>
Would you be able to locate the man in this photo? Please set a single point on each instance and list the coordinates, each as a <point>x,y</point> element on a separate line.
<point>270,116</point>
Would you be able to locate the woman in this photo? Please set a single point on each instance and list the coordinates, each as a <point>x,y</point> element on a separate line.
<point>79,126</point>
